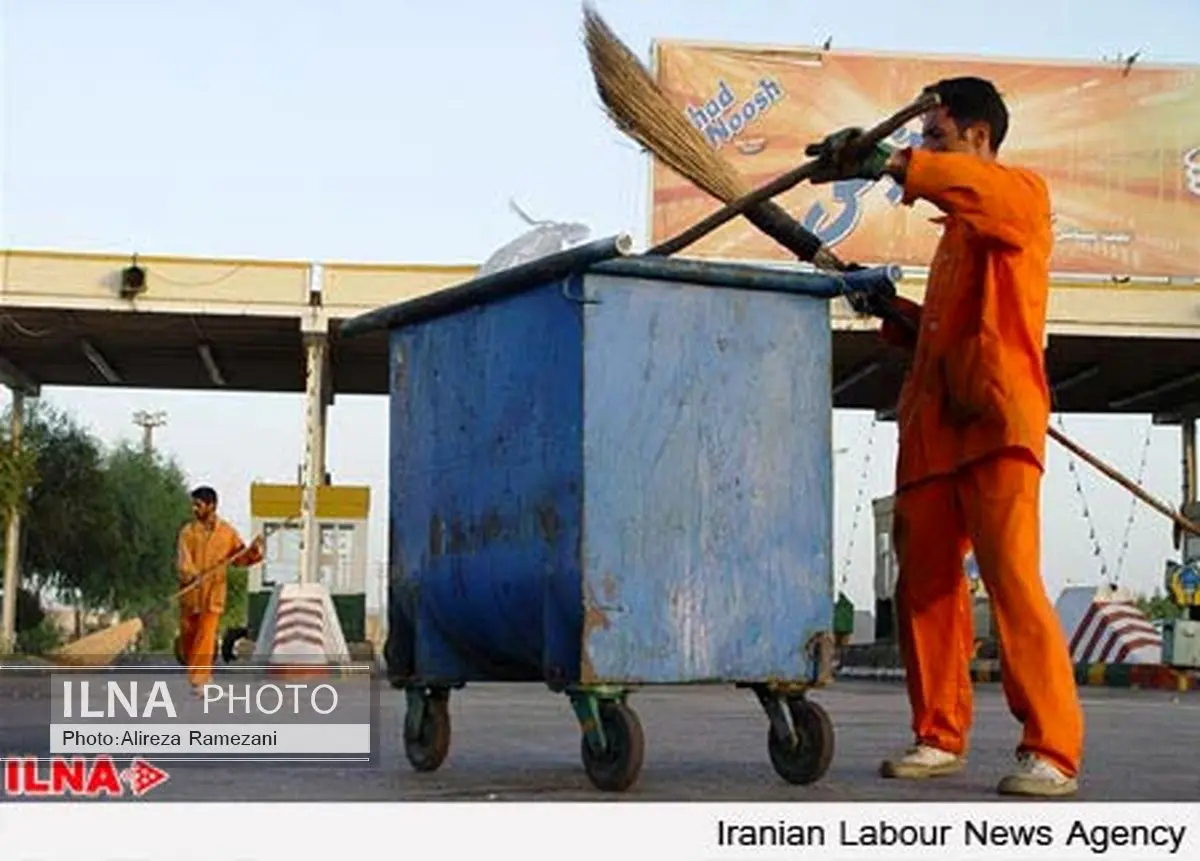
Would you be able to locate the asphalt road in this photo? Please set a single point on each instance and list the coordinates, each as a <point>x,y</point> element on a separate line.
<point>521,742</point>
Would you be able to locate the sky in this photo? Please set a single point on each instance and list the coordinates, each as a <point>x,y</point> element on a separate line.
<point>397,132</point>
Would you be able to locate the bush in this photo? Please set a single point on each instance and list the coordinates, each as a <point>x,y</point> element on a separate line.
<point>29,609</point>
<point>158,636</point>
<point>237,601</point>
<point>43,637</point>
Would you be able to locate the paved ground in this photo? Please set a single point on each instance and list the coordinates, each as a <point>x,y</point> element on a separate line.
<point>520,742</point>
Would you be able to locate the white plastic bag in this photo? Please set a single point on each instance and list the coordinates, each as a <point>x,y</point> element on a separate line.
<point>547,237</point>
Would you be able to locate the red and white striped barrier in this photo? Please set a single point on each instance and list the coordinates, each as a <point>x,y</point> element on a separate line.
<point>300,632</point>
<point>1104,626</point>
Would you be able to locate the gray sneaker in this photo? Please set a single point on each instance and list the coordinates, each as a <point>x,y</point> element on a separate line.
<point>1036,778</point>
<point>922,761</point>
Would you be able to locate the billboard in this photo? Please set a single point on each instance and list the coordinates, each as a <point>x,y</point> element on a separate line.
<point>1120,149</point>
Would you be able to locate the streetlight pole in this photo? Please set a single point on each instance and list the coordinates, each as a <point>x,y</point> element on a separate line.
<point>148,421</point>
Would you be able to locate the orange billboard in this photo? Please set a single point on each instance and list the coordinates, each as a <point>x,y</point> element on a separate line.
<point>1119,148</point>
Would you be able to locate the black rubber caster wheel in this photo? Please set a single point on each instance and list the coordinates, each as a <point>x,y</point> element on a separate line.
<point>617,768</point>
<point>808,761</point>
<point>427,749</point>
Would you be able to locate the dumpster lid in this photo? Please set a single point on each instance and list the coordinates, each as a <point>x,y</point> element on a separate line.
<point>746,276</point>
<point>486,288</point>
<point>608,257</point>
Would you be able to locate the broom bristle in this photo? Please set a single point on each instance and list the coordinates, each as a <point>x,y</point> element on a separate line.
<point>98,649</point>
<point>639,108</point>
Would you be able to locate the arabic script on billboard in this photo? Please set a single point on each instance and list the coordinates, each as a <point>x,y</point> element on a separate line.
<point>1121,152</point>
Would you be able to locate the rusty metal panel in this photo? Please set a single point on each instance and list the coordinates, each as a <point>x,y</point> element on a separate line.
<point>707,454</point>
<point>486,487</point>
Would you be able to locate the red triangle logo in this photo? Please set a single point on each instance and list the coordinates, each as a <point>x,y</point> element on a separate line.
<point>142,776</point>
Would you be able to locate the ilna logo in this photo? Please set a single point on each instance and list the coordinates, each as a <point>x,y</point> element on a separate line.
<point>722,117</point>
<point>81,777</point>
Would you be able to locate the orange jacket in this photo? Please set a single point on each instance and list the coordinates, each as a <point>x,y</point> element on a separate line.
<point>977,383</point>
<point>207,553</point>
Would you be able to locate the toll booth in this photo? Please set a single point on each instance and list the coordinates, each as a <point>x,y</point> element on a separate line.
<point>342,520</point>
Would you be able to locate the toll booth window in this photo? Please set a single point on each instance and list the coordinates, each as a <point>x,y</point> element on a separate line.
<point>281,557</point>
<point>337,557</point>
<point>887,557</point>
<point>281,563</point>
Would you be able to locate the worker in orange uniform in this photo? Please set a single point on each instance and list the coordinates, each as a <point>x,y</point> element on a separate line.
<point>207,545</point>
<point>972,417</point>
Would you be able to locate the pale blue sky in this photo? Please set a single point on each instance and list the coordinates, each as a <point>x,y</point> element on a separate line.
<point>396,132</point>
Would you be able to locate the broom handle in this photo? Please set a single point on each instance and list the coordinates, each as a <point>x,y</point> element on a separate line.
<point>1083,454</point>
<point>1157,504</point>
<point>165,604</point>
<point>786,181</point>
<point>204,575</point>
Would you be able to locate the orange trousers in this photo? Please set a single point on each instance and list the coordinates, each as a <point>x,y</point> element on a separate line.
<point>993,506</point>
<point>197,639</point>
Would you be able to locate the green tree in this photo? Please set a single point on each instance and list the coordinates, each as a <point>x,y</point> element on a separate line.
<point>100,529</point>
<point>146,497</point>
<point>237,598</point>
<point>147,501</point>
<point>65,524</point>
<point>35,632</point>
<point>18,474</point>
<point>1158,606</point>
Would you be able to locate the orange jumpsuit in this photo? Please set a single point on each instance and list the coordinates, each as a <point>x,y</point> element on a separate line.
<point>972,416</point>
<point>206,553</point>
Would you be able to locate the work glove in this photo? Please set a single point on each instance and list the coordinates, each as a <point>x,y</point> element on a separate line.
<point>870,300</point>
<point>839,158</point>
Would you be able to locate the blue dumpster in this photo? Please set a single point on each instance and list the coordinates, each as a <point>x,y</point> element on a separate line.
<point>608,472</point>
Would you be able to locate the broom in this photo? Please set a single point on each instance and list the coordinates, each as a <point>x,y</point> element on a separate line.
<point>99,649</point>
<point>638,107</point>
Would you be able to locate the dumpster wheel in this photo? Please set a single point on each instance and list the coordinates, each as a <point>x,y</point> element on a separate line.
<point>427,731</point>
<point>808,758</point>
<point>617,767</point>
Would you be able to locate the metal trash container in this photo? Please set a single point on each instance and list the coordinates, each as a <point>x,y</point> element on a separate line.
<point>609,472</point>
